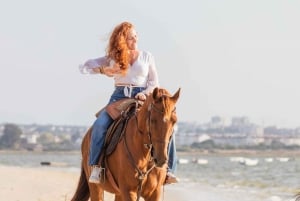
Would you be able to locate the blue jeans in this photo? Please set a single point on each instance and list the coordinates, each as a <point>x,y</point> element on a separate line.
<point>172,163</point>
<point>103,122</point>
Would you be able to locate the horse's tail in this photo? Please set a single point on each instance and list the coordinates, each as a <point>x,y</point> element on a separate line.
<point>82,192</point>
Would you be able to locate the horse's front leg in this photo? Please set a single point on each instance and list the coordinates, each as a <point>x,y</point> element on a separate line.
<point>128,196</point>
<point>154,196</point>
<point>118,198</point>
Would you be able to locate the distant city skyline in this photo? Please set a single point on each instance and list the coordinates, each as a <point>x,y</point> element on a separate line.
<point>231,58</point>
<point>225,121</point>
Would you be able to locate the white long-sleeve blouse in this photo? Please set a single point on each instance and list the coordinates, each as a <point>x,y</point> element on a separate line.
<point>141,73</point>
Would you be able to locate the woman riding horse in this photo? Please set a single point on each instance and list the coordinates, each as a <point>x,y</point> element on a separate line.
<point>138,166</point>
<point>135,76</point>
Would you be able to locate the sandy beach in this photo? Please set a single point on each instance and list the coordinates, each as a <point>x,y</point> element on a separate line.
<point>44,184</point>
<point>36,184</point>
<point>54,184</point>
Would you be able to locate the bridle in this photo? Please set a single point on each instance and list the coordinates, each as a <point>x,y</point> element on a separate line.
<point>149,133</point>
<point>141,174</point>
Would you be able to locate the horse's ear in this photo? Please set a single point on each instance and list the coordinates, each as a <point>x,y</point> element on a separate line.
<point>176,96</point>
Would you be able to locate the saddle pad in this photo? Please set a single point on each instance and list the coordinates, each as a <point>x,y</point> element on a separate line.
<point>117,129</point>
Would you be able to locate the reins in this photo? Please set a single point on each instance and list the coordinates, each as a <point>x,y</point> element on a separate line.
<point>141,174</point>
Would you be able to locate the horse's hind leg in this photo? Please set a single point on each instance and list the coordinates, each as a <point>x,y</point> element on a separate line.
<point>96,192</point>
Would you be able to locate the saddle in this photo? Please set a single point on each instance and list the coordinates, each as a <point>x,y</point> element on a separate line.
<point>121,111</point>
<point>116,130</point>
<point>115,109</point>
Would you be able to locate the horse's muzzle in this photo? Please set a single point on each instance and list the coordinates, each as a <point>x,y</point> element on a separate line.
<point>160,163</point>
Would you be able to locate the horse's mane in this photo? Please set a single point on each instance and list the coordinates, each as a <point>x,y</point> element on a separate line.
<point>165,101</point>
<point>159,95</point>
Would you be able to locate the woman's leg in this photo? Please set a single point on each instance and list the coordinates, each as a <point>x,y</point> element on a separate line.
<point>172,163</point>
<point>99,130</point>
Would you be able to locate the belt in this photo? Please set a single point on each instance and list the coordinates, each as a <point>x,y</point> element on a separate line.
<point>126,85</point>
<point>127,88</point>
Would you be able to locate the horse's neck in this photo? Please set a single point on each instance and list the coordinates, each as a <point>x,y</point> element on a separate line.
<point>138,139</point>
<point>143,118</point>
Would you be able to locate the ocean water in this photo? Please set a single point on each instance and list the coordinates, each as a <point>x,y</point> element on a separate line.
<point>271,179</point>
<point>216,177</point>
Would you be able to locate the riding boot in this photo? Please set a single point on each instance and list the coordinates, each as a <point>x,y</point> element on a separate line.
<point>95,175</point>
<point>171,178</point>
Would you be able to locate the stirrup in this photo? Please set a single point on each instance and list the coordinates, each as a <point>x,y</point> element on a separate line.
<point>102,175</point>
<point>97,175</point>
<point>171,179</point>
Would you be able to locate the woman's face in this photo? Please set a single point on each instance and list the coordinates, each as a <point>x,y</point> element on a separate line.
<point>132,39</point>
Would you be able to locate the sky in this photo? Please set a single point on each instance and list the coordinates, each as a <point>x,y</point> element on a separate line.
<point>230,58</point>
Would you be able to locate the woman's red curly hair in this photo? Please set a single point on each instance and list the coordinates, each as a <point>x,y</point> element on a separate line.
<point>117,48</point>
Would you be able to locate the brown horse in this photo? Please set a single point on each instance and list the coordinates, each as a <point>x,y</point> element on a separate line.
<point>137,168</point>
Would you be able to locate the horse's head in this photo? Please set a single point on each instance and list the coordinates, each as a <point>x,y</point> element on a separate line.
<point>160,106</point>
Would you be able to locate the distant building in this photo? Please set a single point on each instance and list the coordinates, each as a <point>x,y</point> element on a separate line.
<point>32,139</point>
<point>240,121</point>
<point>217,122</point>
<point>244,136</point>
<point>186,139</point>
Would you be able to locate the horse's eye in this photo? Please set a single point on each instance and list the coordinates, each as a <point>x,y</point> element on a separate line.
<point>174,117</point>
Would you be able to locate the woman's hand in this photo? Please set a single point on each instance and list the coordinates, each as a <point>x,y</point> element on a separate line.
<point>110,71</point>
<point>141,96</point>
